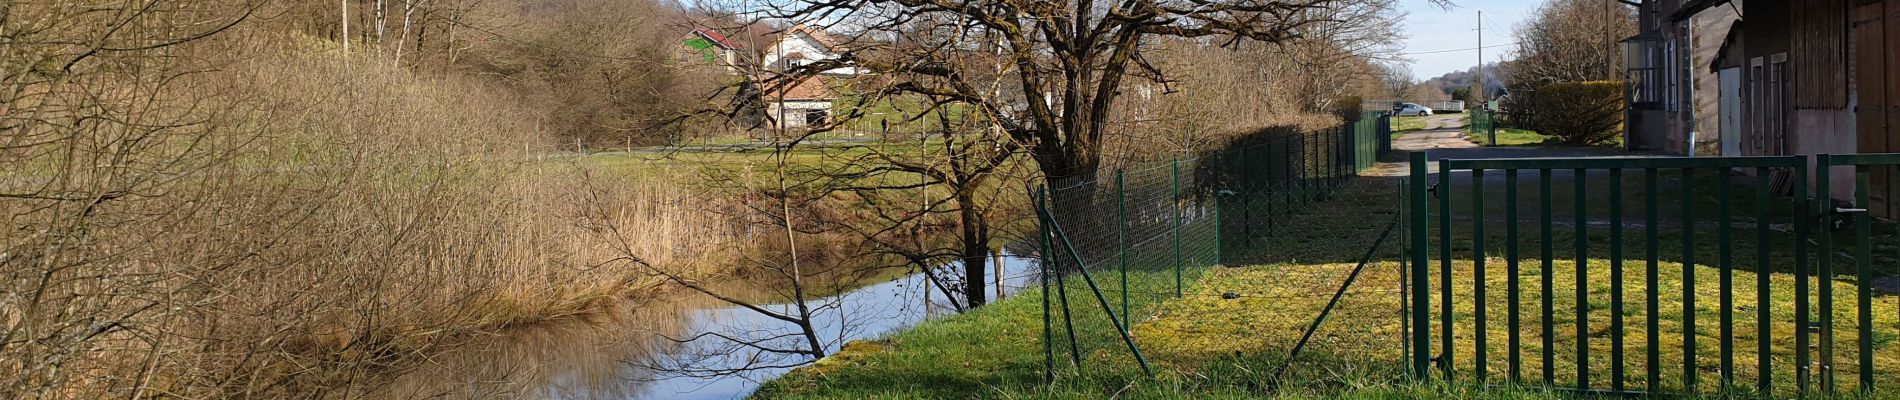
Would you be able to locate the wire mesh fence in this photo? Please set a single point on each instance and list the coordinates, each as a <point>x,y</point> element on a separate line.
<point>1120,243</point>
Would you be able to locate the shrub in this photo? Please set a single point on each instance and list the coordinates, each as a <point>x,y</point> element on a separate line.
<point>1577,113</point>
<point>1349,108</point>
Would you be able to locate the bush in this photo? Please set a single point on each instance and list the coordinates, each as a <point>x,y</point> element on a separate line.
<point>1577,113</point>
<point>1349,108</point>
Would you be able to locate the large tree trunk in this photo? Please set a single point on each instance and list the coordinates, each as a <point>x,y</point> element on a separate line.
<point>975,248</point>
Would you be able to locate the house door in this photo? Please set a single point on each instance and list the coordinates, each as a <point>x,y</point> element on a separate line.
<point>1729,113</point>
<point>1875,113</point>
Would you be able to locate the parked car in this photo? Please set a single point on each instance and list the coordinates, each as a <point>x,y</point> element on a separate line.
<point>1404,109</point>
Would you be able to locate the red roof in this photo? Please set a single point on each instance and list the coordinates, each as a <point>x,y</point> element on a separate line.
<point>823,38</point>
<point>717,38</point>
<point>807,88</point>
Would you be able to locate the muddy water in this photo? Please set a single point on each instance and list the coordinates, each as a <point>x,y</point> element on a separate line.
<point>635,352</point>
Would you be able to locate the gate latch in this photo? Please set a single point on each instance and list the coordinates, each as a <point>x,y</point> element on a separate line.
<point>1433,189</point>
<point>1838,223</point>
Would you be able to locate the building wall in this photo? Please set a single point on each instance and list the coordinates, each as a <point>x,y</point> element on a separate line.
<point>791,113</point>
<point>1822,120</point>
<point>1815,132</point>
<point>1683,64</point>
<point>1707,30</point>
<point>809,49</point>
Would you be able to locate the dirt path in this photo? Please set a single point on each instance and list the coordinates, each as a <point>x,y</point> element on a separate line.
<point>1444,138</point>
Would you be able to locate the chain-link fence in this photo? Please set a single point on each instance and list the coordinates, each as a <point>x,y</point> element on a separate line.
<point>1119,243</point>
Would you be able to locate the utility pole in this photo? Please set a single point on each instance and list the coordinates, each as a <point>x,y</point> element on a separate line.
<point>1609,42</point>
<point>1479,92</point>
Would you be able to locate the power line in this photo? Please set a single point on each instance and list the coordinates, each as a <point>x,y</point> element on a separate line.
<point>1458,50</point>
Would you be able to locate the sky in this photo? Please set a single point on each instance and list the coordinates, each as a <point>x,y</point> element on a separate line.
<point>1429,28</point>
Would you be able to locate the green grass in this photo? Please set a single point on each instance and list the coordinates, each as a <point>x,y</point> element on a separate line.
<point>996,352</point>
<point>1206,345</point>
<point>1512,137</point>
<point>1744,254</point>
<point>1407,124</point>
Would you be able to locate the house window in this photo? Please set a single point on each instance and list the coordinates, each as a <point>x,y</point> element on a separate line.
<point>1644,72</point>
<point>816,117</point>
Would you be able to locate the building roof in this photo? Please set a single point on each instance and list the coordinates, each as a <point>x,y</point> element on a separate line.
<point>816,34</point>
<point>807,88</point>
<point>1722,59</point>
<point>1691,7</point>
<point>718,38</point>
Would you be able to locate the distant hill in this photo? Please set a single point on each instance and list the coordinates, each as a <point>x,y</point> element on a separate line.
<point>1493,80</point>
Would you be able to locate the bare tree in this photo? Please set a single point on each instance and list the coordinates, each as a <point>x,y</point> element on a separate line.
<point>1070,60</point>
<point>1564,41</point>
<point>1335,60</point>
<point>1396,79</point>
<point>1570,40</point>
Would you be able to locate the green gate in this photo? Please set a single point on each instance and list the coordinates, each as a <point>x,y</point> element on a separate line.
<point>1867,330</point>
<point>1623,255</point>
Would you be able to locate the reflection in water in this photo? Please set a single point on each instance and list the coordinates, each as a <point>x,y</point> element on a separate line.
<point>627,354</point>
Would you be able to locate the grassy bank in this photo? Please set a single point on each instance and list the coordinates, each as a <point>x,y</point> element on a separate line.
<point>293,224</point>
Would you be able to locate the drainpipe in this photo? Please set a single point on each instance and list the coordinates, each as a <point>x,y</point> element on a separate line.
<point>1691,147</point>
<point>1688,68</point>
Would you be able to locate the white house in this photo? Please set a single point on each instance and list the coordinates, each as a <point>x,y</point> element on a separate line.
<point>807,102</point>
<point>803,103</point>
<point>801,45</point>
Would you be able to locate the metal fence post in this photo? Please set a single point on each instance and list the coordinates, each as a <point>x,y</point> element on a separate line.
<point>1042,263</point>
<point>1802,319</point>
<point>1177,227</point>
<point>1491,126</point>
<point>1218,243</point>
<point>1121,226</point>
<point>1824,275</point>
<point>1863,275</point>
<point>1421,319</point>
<point>1446,305</point>
<point>1405,258</point>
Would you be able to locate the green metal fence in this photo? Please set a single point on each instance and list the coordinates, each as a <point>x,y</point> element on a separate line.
<point>1141,235</point>
<point>1866,331</point>
<point>1371,139</point>
<point>1606,281</point>
<point>1484,122</point>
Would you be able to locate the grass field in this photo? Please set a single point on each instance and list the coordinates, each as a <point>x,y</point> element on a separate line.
<point>1510,137</point>
<point>1407,124</point>
<point>1230,335</point>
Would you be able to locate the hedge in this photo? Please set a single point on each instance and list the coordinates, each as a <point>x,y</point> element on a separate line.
<point>1577,113</point>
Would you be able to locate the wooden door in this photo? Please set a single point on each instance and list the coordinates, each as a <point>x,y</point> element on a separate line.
<point>1731,111</point>
<point>1870,30</point>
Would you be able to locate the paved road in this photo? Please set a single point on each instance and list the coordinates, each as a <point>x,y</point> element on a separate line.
<point>1444,137</point>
